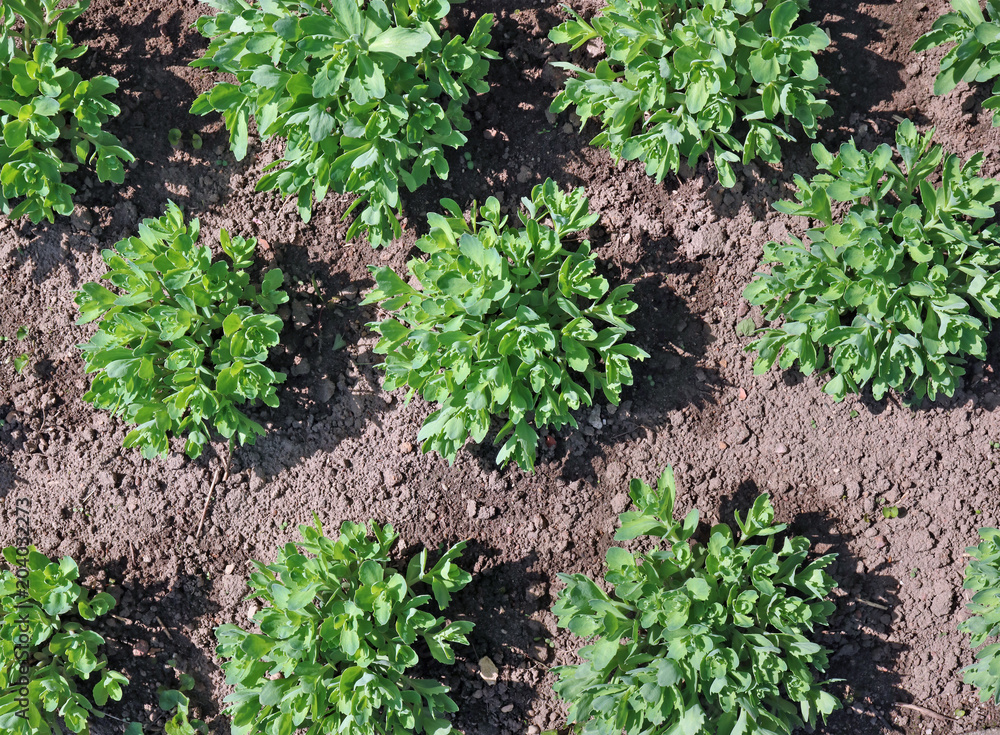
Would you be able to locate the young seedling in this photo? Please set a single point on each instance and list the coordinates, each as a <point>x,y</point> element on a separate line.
<point>505,321</point>
<point>697,638</point>
<point>680,78</point>
<point>49,660</point>
<point>340,632</point>
<point>184,340</point>
<point>51,118</point>
<point>897,292</point>
<point>365,96</point>
<point>975,53</point>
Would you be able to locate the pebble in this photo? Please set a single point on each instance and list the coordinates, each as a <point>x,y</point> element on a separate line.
<point>620,502</point>
<point>406,447</point>
<point>431,516</point>
<point>781,449</point>
<point>230,568</point>
<point>325,390</point>
<point>507,708</point>
<point>471,508</point>
<point>488,670</point>
<point>594,419</point>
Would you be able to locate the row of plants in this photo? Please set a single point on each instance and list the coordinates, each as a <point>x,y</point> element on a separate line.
<point>693,636</point>
<point>500,320</point>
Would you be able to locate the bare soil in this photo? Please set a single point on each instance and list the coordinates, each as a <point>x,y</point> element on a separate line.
<point>341,447</point>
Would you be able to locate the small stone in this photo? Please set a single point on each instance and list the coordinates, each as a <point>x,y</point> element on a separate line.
<point>879,542</point>
<point>300,314</point>
<point>406,447</point>
<point>471,508</point>
<point>942,604</point>
<point>524,175</point>
<point>392,479</point>
<point>431,516</point>
<point>594,419</point>
<point>723,446</point>
<point>539,652</point>
<point>968,103</point>
<point>507,708</point>
<point>488,670</point>
<point>230,568</point>
<point>781,449</point>
<point>738,433</point>
<point>141,648</point>
<point>486,513</point>
<point>742,395</point>
<point>82,219</point>
<point>620,502</point>
<point>325,390</point>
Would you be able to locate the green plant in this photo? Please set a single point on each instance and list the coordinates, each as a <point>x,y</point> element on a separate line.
<point>504,322</point>
<point>975,56</point>
<point>337,639</point>
<point>177,701</point>
<point>682,76</point>
<point>898,290</point>
<point>697,638</point>
<point>45,654</point>
<point>46,107</point>
<point>365,95</point>
<point>982,575</point>
<point>182,344</point>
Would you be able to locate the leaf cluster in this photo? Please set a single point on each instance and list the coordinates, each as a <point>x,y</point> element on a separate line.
<point>975,55</point>
<point>339,633</point>
<point>686,77</point>
<point>902,288</point>
<point>982,575</point>
<point>48,110</point>
<point>504,321</point>
<point>697,638</point>
<point>60,652</point>
<point>365,95</point>
<point>183,341</point>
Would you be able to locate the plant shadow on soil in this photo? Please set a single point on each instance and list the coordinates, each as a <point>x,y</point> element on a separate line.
<point>154,99</point>
<point>177,604</point>
<point>858,656</point>
<point>500,603</point>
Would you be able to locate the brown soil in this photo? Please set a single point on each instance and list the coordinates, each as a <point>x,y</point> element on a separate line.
<point>340,446</point>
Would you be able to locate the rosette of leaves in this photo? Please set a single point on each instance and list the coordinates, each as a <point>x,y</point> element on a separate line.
<point>43,648</point>
<point>183,341</point>
<point>682,78</point>
<point>504,321</point>
<point>51,117</point>
<point>901,289</point>
<point>975,55</point>
<point>697,638</point>
<point>365,95</point>
<point>982,575</point>
<point>340,633</point>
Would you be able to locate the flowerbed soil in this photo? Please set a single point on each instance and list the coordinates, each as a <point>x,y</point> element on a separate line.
<point>341,447</point>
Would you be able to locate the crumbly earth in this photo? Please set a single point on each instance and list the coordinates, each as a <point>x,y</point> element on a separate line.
<point>341,447</point>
